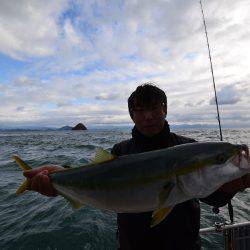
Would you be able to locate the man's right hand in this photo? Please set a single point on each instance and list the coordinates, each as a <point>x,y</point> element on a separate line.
<point>38,179</point>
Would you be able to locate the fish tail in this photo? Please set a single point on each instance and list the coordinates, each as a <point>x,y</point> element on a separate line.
<point>24,166</point>
<point>22,188</point>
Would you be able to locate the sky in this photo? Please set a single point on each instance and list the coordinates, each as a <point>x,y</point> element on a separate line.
<point>64,62</point>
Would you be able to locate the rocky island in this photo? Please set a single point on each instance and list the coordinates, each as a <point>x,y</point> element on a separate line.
<point>79,126</point>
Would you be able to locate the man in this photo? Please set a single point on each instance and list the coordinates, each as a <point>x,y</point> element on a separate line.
<point>180,229</point>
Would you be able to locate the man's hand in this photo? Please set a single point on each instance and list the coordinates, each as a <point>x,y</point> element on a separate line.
<point>237,185</point>
<point>38,179</point>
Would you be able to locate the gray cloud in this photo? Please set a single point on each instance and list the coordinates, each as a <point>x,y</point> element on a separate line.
<point>107,96</point>
<point>23,81</point>
<point>21,108</point>
<point>228,95</point>
<point>195,104</point>
<point>28,28</point>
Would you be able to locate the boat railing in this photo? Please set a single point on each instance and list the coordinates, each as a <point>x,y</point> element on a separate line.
<point>236,236</point>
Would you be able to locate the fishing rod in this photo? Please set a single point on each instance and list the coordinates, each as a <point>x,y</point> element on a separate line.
<point>212,71</point>
<point>230,207</point>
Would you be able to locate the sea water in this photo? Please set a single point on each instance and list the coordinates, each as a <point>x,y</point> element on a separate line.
<point>33,221</point>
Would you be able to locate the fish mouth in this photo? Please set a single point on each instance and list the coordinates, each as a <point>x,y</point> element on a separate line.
<point>242,158</point>
<point>245,151</point>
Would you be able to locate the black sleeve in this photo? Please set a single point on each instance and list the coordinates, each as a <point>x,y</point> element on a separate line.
<point>122,148</point>
<point>217,199</point>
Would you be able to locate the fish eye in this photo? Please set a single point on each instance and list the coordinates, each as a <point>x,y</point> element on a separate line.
<point>221,158</point>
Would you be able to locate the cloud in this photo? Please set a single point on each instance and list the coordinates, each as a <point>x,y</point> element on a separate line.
<point>107,96</point>
<point>29,28</point>
<point>228,95</point>
<point>194,104</point>
<point>82,59</point>
<point>20,108</point>
<point>23,81</point>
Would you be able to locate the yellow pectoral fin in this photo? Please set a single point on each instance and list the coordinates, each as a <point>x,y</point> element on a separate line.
<point>102,156</point>
<point>74,203</point>
<point>24,166</point>
<point>159,215</point>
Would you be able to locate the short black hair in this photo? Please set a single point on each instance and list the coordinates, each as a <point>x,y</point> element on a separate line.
<point>146,95</point>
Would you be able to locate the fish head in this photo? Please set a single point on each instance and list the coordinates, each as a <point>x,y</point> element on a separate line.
<point>241,159</point>
<point>217,153</point>
<point>212,165</point>
<point>226,153</point>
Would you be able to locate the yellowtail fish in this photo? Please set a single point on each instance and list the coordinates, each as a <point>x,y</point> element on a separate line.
<point>152,181</point>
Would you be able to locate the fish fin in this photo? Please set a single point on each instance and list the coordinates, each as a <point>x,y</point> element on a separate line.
<point>24,166</point>
<point>74,203</point>
<point>22,188</point>
<point>102,156</point>
<point>159,215</point>
<point>165,193</point>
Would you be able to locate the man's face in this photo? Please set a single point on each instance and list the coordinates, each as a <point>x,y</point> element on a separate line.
<point>149,120</point>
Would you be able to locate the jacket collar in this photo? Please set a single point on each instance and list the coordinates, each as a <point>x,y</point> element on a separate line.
<point>159,141</point>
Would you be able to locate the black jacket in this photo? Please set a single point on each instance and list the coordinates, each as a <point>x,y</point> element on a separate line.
<point>180,230</point>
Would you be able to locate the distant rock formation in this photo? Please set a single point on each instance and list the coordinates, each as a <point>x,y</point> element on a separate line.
<point>79,126</point>
<point>65,128</point>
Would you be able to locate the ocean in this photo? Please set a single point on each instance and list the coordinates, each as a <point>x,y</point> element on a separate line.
<point>33,221</point>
